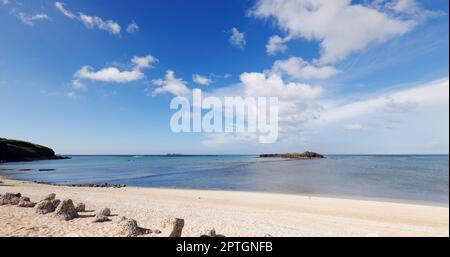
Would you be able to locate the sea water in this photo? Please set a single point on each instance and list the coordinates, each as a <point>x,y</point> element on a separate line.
<point>412,178</point>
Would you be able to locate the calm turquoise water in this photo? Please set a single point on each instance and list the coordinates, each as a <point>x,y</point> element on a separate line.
<point>409,178</point>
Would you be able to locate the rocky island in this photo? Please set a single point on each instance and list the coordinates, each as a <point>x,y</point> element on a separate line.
<point>18,151</point>
<point>305,155</point>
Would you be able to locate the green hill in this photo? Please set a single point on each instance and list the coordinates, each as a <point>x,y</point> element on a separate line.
<point>16,150</point>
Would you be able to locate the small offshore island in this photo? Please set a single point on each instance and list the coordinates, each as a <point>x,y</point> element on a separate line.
<point>20,151</point>
<point>302,156</point>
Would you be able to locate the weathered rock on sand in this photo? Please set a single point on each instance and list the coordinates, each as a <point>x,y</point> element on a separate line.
<point>16,199</point>
<point>66,210</point>
<point>81,207</point>
<point>304,155</point>
<point>25,202</point>
<point>212,233</point>
<point>102,215</point>
<point>10,198</point>
<point>104,212</point>
<point>130,228</point>
<point>177,230</point>
<point>50,197</point>
<point>48,204</point>
<point>44,207</point>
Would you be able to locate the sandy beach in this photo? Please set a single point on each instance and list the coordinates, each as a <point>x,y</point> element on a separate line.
<point>229,213</point>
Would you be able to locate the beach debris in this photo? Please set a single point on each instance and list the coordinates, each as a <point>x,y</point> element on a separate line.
<point>25,202</point>
<point>177,230</point>
<point>130,228</point>
<point>157,231</point>
<point>66,210</point>
<point>81,207</point>
<point>50,197</point>
<point>102,215</point>
<point>10,198</point>
<point>212,233</point>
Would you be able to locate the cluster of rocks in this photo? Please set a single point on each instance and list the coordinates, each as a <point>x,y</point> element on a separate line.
<point>98,185</point>
<point>16,199</point>
<point>67,210</point>
<point>102,185</point>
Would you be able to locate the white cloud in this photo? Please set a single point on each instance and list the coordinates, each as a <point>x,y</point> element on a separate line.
<point>355,127</point>
<point>237,38</point>
<point>272,85</point>
<point>31,19</point>
<point>144,62</point>
<point>113,74</point>
<point>171,84</point>
<point>63,10</point>
<point>436,92</point>
<point>109,74</point>
<point>276,44</point>
<point>339,26</point>
<point>201,80</point>
<point>132,27</point>
<point>97,22</point>
<point>297,68</point>
<point>91,21</point>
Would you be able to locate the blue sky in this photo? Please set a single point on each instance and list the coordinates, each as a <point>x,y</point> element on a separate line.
<point>366,76</point>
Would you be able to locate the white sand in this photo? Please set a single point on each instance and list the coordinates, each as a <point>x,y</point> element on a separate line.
<point>230,213</point>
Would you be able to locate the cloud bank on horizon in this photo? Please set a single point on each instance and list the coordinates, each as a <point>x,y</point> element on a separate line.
<point>318,56</point>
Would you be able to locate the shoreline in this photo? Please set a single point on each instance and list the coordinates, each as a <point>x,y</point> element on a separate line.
<point>228,212</point>
<point>336,196</point>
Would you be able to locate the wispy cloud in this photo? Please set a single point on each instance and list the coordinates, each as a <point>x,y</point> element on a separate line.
<point>237,38</point>
<point>132,27</point>
<point>298,68</point>
<point>201,80</point>
<point>355,127</point>
<point>31,19</point>
<point>89,21</point>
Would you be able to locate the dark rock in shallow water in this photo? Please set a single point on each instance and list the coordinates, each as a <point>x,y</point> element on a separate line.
<point>304,155</point>
<point>83,185</point>
<point>19,151</point>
